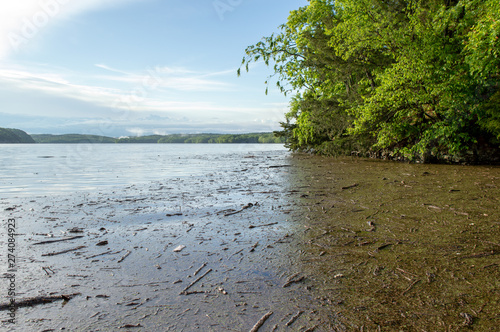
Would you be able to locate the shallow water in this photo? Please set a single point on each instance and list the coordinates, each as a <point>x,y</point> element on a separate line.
<point>365,245</point>
<point>39,169</point>
<point>149,220</point>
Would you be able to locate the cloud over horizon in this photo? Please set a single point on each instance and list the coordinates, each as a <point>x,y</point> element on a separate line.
<point>150,101</point>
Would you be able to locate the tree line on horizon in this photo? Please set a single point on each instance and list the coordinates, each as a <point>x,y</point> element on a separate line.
<point>162,139</point>
<point>404,79</point>
<point>10,135</point>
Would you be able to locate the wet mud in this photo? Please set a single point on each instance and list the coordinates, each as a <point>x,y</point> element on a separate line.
<point>274,243</point>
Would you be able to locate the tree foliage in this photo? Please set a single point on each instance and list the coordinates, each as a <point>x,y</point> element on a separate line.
<point>9,135</point>
<point>410,78</point>
<point>149,139</point>
<point>71,139</point>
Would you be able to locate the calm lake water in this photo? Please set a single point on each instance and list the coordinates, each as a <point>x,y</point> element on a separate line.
<point>41,169</point>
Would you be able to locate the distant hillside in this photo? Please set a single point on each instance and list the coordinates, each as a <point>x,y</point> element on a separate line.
<point>206,138</point>
<point>8,135</point>
<point>175,138</point>
<point>72,138</point>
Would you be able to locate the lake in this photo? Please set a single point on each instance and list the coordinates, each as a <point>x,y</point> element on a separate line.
<point>41,169</point>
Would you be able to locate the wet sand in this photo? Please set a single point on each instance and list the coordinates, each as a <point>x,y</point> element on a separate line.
<point>323,244</point>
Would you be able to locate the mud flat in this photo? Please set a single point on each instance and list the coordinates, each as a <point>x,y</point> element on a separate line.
<point>294,243</point>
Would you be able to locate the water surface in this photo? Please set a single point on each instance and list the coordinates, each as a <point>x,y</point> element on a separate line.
<point>40,169</point>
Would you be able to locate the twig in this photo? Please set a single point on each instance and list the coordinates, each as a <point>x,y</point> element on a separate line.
<point>383,246</point>
<point>401,270</point>
<point>63,252</point>
<point>279,166</point>
<point>496,244</point>
<point>37,300</point>
<point>93,256</point>
<point>312,328</point>
<point>104,253</point>
<point>270,224</point>
<point>182,313</point>
<point>236,253</point>
<point>199,269</point>
<point>184,291</point>
<point>59,240</point>
<point>194,292</point>
<point>410,287</point>
<point>261,322</point>
<point>481,254</point>
<point>249,205</point>
<point>128,326</point>
<point>254,246</point>
<point>351,186</point>
<point>154,283</point>
<point>124,256</point>
<point>294,318</point>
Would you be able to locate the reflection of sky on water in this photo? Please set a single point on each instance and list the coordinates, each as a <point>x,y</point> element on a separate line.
<point>31,170</point>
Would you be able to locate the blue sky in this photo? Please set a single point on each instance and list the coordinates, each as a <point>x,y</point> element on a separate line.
<point>137,67</point>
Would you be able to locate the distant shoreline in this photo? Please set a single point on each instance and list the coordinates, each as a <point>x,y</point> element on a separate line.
<point>254,138</point>
<point>16,136</point>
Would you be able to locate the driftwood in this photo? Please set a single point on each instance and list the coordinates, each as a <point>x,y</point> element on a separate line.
<point>102,254</point>
<point>236,253</point>
<point>279,166</point>
<point>124,256</point>
<point>184,291</point>
<point>270,224</point>
<point>174,214</point>
<point>254,246</point>
<point>64,251</point>
<point>199,269</point>
<point>59,240</point>
<point>129,326</point>
<point>312,328</point>
<point>249,205</point>
<point>30,301</point>
<point>261,322</point>
<point>294,318</point>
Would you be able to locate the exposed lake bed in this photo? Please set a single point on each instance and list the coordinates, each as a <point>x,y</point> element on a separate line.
<point>410,247</point>
<point>324,244</point>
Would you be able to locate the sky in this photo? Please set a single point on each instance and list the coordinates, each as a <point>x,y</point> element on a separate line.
<point>137,67</point>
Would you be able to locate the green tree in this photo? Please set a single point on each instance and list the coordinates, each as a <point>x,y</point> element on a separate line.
<point>414,78</point>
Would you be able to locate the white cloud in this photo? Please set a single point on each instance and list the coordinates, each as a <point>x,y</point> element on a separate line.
<point>23,20</point>
<point>137,131</point>
<point>166,99</point>
<point>172,78</point>
<point>102,66</point>
<point>151,91</point>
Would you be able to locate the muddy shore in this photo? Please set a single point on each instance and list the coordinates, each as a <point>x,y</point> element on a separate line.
<point>322,244</point>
